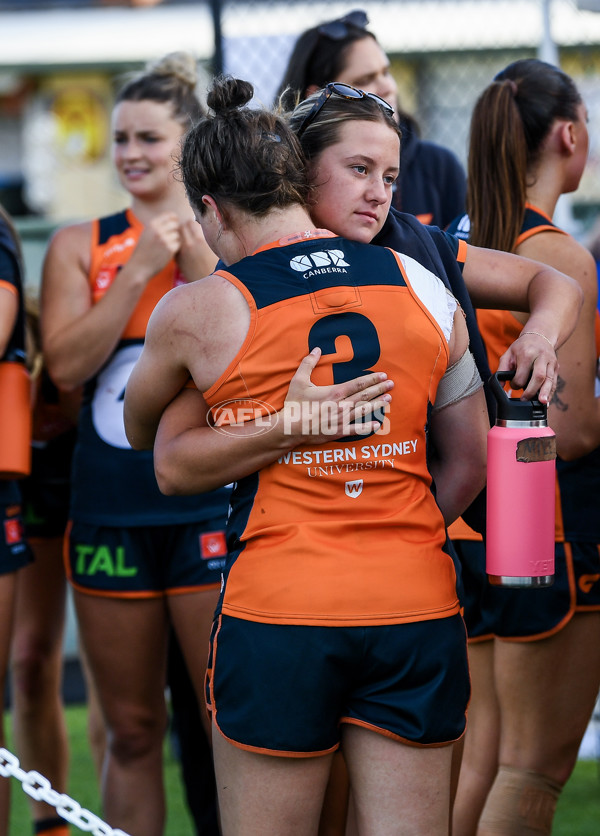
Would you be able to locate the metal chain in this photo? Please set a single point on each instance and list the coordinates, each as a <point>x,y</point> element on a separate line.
<point>40,789</point>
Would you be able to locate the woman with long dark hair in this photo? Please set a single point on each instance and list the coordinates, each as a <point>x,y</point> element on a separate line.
<point>535,654</point>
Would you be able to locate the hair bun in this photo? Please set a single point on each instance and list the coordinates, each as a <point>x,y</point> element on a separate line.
<point>180,65</point>
<point>228,93</point>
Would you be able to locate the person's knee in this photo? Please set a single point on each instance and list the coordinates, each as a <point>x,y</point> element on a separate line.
<point>521,803</point>
<point>32,669</point>
<point>135,738</point>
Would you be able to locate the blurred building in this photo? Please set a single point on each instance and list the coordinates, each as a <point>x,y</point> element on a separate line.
<point>61,59</point>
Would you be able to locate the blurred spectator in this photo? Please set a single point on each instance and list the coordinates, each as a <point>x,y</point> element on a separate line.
<point>432,182</point>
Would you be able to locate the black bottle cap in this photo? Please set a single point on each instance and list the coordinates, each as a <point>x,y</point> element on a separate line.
<point>514,409</point>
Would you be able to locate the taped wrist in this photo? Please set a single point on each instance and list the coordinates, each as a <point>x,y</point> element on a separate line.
<point>460,380</point>
<point>521,802</point>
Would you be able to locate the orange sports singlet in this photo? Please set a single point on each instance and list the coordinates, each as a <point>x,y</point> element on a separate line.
<point>524,614</point>
<point>111,483</point>
<point>576,482</point>
<point>347,533</point>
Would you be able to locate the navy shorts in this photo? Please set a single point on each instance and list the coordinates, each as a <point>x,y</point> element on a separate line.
<point>530,614</point>
<point>46,492</point>
<point>471,556</point>
<point>285,689</point>
<point>145,562</point>
<point>14,549</point>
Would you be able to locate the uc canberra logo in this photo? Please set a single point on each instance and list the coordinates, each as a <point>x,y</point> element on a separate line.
<point>326,261</point>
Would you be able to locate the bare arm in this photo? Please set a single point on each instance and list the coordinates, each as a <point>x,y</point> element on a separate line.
<point>195,258</point>
<point>574,412</point>
<point>553,299</point>
<point>78,337</point>
<point>157,377</point>
<point>192,457</point>
<point>9,304</point>
<point>459,439</point>
<point>459,432</point>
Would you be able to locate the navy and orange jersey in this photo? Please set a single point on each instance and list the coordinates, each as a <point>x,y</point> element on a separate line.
<point>500,328</point>
<point>578,481</point>
<point>445,255</point>
<point>11,280</point>
<point>111,483</point>
<point>345,533</point>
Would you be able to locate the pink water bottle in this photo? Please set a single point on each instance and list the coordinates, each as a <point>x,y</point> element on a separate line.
<point>521,467</point>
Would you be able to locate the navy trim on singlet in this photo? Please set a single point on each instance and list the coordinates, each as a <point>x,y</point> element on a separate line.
<point>15,348</point>
<point>532,219</point>
<point>241,504</point>
<point>112,225</point>
<point>324,268</point>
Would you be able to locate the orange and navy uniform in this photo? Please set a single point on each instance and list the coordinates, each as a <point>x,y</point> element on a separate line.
<point>113,484</point>
<point>47,489</point>
<point>14,551</point>
<point>578,481</point>
<point>347,533</point>
<point>125,538</point>
<point>577,531</point>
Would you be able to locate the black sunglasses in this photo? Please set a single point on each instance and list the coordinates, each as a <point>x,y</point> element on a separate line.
<point>346,92</point>
<point>339,29</point>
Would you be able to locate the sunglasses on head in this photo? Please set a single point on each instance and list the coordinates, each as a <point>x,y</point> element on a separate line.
<point>345,91</point>
<point>339,29</point>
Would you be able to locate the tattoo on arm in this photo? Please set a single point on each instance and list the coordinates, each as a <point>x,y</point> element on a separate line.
<point>557,401</point>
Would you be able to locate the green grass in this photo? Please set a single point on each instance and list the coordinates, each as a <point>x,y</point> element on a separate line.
<point>578,812</point>
<point>83,786</point>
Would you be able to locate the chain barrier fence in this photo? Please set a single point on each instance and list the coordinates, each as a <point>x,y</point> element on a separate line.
<point>40,789</point>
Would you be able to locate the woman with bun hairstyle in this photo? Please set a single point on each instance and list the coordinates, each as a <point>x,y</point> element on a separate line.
<point>339,597</point>
<point>534,653</point>
<point>138,561</point>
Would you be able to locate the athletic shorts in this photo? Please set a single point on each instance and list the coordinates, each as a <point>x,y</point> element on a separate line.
<point>285,689</point>
<point>46,491</point>
<point>14,549</point>
<point>145,562</point>
<point>530,614</point>
<point>474,588</point>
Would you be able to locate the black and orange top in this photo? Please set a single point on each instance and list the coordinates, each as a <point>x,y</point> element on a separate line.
<point>349,532</point>
<point>578,481</point>
<point>12,281</point>
<point>113,484</point>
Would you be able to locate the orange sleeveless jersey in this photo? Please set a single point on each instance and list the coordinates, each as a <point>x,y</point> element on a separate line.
<point>347,533</point>
<point>110,252</point>
<point>501,328</point>
<point>113,484</point>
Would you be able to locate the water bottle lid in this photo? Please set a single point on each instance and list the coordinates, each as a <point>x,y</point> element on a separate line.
<point>514,409</point>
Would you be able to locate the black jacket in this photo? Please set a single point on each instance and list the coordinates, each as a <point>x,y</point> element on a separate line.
<point>433,249</point>
<point>432,182</point>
